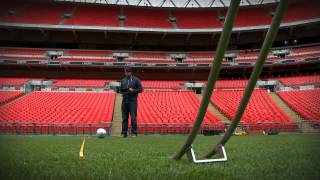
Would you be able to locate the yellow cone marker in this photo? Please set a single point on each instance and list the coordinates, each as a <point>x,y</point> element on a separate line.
<point>81,155</point>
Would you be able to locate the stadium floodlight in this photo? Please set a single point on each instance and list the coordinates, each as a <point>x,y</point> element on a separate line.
<point>213,75</point>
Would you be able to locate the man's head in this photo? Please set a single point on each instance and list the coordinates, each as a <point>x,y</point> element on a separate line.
<point>128,71</point>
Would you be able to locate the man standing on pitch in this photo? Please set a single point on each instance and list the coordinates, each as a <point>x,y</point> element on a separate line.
<point>130,86</point>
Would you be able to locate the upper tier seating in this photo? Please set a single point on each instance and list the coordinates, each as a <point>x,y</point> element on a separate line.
<point>162,84</point>
<point>230,84</point>
<point>147,56</point>
<point>101,15</point>
<point>91,15</point>
<point>300,80</point>
<point>171,111</point>
<point>304,102</point>
<point>142,54</point>
<point>306,49</point>
<point>4,81</point>
<point>253,17</point>
<point>146,18</point>
<point>260,109</point>
<point>307,10</point>
<point>79,83</point>
<point>64,109</point>
<point>6,96</point>
<point>39,13</point>
<point>87,53</point>
<point>188,19</point>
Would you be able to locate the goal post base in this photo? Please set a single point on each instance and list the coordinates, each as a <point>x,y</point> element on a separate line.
<point>221,153</point>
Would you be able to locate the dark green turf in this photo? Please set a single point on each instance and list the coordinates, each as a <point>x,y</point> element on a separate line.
<point>291,156</point>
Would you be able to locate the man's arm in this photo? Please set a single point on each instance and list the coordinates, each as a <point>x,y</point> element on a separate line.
<point>138,88</point>
<point>122,89</point>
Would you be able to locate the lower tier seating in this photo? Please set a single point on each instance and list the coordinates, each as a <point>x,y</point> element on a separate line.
<point>261,111</point>
<point>58,112</point>
<point>304,102</point>
<point>171,112</point>
<point>6,96</point>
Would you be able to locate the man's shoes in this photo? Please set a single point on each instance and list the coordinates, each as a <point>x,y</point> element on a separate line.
<point>124,135</point>
<point>134,135</point>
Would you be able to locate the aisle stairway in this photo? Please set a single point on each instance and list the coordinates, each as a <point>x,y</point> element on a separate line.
<point>117,119</point>
<point>216,112</point>
<point>305,127</point>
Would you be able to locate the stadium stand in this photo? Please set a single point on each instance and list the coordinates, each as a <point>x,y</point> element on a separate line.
<point>87,53</point>
<point>261,16</point>
<point>98,15</point>
<point>150,84</point>
<point>90,15</point>
<point>300,80</point>
<point>261,113</point>
<point>155,55</point>
<point>8,81</point>
<point>58,112</point>
<point>304,102</point>
<point>6,96</point>
<point>158,19</point>
<point>308,10</point>
<point>39,13</point>
<point>150,60</point>
<point>148,57</point>
<point>79,83</point>
<point>306,49</point>
<point>171,111</point>
<point>230,84</point>
<point>188,19</point>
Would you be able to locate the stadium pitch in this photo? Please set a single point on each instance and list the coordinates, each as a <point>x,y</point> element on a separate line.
<point>286,156</point>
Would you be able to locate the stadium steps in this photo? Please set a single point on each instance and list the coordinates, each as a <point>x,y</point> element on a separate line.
<point>117,120</point>
<point>216,112</point>
<point>13,99</point>
<point>305,127</point>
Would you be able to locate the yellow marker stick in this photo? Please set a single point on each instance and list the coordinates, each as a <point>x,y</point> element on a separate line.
<point>81,155</point>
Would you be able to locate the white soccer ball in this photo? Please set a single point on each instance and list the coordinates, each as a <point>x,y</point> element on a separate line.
<point>101,133</point>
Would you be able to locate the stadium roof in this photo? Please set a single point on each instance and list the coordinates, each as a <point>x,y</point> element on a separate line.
<point>174,3</point>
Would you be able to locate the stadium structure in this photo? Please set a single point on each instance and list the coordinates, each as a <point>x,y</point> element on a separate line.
<point>76,50</point>
<point>61,62</point>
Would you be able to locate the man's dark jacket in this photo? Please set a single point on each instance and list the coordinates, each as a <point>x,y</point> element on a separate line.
<point>133,83</point>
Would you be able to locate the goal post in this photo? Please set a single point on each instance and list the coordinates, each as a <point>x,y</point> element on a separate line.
<point>214,73</point>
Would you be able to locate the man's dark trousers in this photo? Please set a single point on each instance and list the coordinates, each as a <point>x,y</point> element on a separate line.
<point>129,107</point>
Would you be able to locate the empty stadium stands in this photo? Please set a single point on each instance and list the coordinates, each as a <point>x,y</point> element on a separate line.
<point>39,13</point>
<point>253,16</point>
<point>58,112</point>
<point>99,15</point>
<point>162,84</point>
<point>305,102</point>
<point>261,112</point>
<point>90,15</point>
<point>308,10</point>
<point>9,81</point>
<point>147,18</point>
<point>6,96</point>
<point>171,111</point>
<point>7,53</point>
<point>188,19</point>
<point>79,83</point>
<point>229,84</point>
<point>300,80</point>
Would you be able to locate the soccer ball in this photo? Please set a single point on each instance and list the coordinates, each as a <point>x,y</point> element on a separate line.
<point>101,133</point>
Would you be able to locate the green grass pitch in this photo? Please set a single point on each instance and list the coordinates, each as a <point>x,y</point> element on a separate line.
<point>286,156</point>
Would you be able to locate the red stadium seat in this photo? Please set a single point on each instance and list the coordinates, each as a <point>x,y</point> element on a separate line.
<point>305,102</point>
